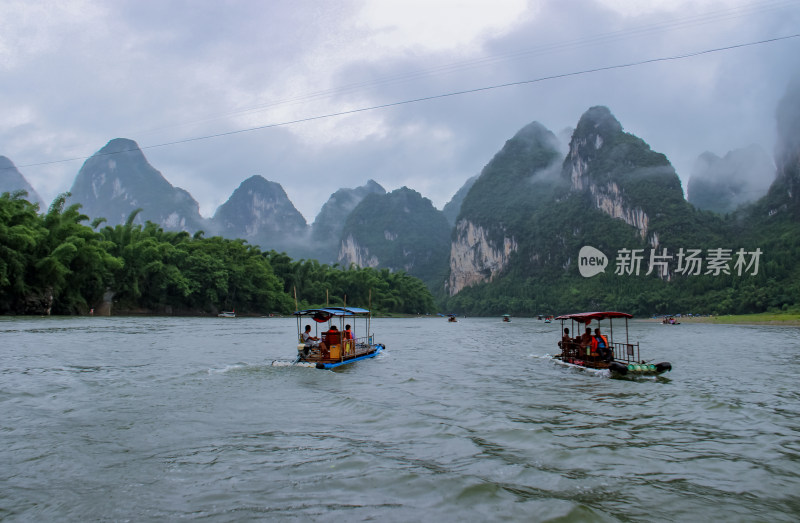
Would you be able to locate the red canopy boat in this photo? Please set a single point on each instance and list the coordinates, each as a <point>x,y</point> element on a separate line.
<point>621,358</point>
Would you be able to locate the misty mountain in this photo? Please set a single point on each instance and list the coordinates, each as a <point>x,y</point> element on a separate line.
<point>723,184</point>
<point>326,231</point>
<point>564,138</point>
<point>784,194</point>
<point>508,240</point>
<point>118,179</point>
<point>400,230</point>
<point>260,212</point>
<point>517,179</point>
<point>11,180</point>
<point>614,174</point>
<point>453,207</point>
<point>516,243</point>
<point>618,174</point>
<point>493,217</point>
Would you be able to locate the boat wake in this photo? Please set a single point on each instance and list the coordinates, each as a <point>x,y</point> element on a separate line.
<point>228,368</point>
<point>602,373</point>
<point>252,367</point>
<point>289,363</point>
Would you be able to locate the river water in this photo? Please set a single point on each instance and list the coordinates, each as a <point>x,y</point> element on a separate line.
<point>154,419</point>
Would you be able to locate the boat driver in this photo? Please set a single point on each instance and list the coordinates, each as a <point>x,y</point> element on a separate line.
<point>311,342</point>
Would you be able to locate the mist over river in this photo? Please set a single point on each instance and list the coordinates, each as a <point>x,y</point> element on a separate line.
<point>164,419</point>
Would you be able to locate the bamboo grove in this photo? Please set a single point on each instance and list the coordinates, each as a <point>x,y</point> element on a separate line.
<point>56,263</point>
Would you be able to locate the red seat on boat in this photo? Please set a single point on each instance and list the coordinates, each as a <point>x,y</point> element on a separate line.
<point>331,338</point>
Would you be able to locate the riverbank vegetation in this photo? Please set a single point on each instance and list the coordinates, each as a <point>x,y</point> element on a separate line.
<point>791,318</point>
<point>55,263</point>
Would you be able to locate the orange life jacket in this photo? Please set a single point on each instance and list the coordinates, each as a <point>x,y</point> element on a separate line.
<point>596,344</point>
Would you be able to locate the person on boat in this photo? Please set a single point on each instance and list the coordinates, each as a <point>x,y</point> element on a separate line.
<point>585,341</point>
<point>332,335</point>
<point>565,338</point>
<point>601,346</point>
<point>566,344</point>
<point>347,339</point>
<point>312,342</point>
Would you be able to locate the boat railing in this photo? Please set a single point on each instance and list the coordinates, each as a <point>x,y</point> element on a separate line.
<point>572,350</point>
<point>628,352</point>
<point>363,341</point>
<point>338,347</point>
<point>355,346</point>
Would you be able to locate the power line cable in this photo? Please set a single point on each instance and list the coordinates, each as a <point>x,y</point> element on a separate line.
<point>434,97</point>
<point>546,49</point>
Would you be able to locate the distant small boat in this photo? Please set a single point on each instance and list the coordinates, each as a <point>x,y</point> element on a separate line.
<point>452,318</point>
<point>227,314</point>
<point>507,318</point>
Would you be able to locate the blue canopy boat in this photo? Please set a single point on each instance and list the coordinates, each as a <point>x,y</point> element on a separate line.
<point>334,346</point>
<point>620,358</point>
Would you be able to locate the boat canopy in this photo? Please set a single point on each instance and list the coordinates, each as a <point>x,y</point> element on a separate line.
<point>586,317</point>
<point>323,315</point>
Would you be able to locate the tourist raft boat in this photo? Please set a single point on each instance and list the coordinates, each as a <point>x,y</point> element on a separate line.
<point>336,346</point>
<point>623,358</point>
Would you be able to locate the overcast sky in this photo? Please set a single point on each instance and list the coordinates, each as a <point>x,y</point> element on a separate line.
<point>75,74</point>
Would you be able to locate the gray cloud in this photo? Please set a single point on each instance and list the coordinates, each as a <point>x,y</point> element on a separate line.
<point>160,72</point>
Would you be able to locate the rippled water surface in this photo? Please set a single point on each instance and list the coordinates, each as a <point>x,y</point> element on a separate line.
<point>154,419</point>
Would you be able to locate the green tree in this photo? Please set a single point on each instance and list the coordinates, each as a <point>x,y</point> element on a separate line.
<point>21,230</point>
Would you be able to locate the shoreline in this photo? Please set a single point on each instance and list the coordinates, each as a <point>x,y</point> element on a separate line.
<point>762,318</point>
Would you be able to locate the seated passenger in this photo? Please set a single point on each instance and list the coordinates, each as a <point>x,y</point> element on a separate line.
<point>568,347</point>
<point>332,335</point>
<point>585,341</point>
<point>603,348</point>
<point>565,339</point>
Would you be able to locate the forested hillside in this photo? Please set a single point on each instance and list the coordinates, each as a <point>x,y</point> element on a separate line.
<point>118,179</point>
<point>55,263</point>
<point>616,194</point>
<point>512,239</point>
<point>400,231</point>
